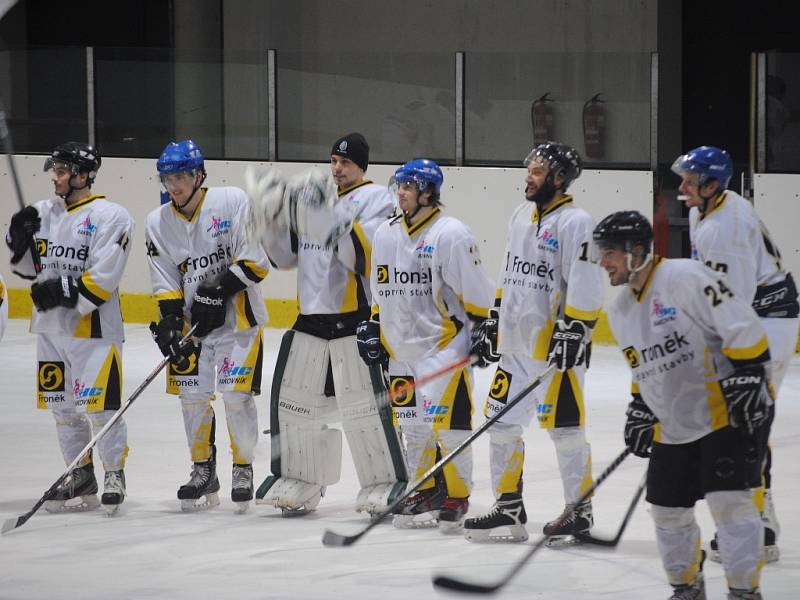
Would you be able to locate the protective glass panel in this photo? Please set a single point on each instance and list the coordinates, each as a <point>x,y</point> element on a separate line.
<point>783,112</point>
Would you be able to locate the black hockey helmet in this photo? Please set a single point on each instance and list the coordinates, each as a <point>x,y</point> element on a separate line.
<point>562,159</point>
<point>624,229</point>
<point>78,156</point>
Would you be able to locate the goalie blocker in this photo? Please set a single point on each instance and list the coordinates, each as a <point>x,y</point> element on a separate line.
<point>306,453</point>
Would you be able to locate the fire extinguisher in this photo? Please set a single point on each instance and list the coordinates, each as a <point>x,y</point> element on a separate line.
<point>594,127</point>
<point>542,119</point>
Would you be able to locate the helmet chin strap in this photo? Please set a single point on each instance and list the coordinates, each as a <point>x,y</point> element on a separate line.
<point>632,271</point>
<point>194,191</point>
<point>419,207</point>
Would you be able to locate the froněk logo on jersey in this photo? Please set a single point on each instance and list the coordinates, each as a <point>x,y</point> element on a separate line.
<point>219,226</point>
<point>547,241</point>
<point>231,374</point>
<point>663,314</point>
<point>424,250</point>
<point>86,227</point>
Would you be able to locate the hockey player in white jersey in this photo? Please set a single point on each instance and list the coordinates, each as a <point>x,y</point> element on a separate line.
<point>429,286</point>
<point>205,273</point>
<point>83,243</point>
<point>727,236</point>
<point>701,407</point>
<point>318,369</point>
<point>549,300</point>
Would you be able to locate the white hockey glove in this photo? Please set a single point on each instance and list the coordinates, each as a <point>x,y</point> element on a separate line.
<point>266,188</point>
<point>568,344</point>
<point>315,210</point>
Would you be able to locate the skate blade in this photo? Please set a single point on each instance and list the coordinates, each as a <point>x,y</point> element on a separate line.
<point>563,541</point>
<point>451,527</point>
<point>289,513</point>
<point>195,505</point>
<point>771,554</point>
<point>427,520</point>
<point>112,509</point>
<point>78,504</point>
<point>498,535</point>
<point>241,507</point>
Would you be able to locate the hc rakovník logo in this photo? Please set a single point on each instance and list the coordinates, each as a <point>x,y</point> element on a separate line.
<point>219,226</point>
<point>663,313</point>
<point>424,248</point>
<point>548,240</point>
<point>86,227</point>
<point>84,394</point>
<point>229,369</point>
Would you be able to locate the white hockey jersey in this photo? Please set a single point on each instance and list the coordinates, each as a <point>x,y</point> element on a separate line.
<point>183,252</point>
<point>334,280</point>
<point>90,242</point>
<point>682,333</point>
<point>546,275</point>
<point>730,238</point>
<point>427,279</point>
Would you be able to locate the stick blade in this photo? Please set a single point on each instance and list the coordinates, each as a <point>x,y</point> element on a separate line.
<point>456,585</point>
<point>337,540</point>
<point>10,525</point>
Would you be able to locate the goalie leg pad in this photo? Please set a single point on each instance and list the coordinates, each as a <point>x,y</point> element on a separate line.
<point>367,422</point>
<point>306,455</point>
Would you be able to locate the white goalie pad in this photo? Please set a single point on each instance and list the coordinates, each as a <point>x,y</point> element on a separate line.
<point>367,423</point>
<point>310,454</point>
<point>307,203</point>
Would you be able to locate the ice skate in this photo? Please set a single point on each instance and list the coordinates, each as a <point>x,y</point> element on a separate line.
<point>734,594</point>
<point>452,515</point>
<point>242,486</point>
<point>692,591</point>
<point>77,493</point>
<point>113,491</point>
<point>580,520</point>
<point>420,510</point>
<point>504,523</point>
<point>200,492</point>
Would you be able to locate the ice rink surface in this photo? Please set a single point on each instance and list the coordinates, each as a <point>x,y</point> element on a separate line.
<point>153,550</point>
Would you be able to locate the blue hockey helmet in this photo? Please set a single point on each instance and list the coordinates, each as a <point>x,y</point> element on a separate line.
<point>179,157</point>
<point>422,172</point>
<point>708,162</point>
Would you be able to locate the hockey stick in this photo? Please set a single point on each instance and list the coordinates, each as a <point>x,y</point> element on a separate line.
<point>14,523</point>
<point>458,585</point>
<point>613,542</point>
<point>331,538</point>
<point>8,148</point>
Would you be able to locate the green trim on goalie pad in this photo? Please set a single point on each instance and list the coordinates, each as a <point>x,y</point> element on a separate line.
<point>398,489</point>
<point>266,485</point>
<point>274,400</point>
<point>385,413</point>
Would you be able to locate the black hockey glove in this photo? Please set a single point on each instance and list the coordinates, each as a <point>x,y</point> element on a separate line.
<point>58,291</point>
<point>748,398</point>
<point>208,308</point>
<point>368,339</point>
<point>167,334</point>
<point>568,344</point>
<point>639,427</point>
<point>24,225</point>
<point>484,341</point>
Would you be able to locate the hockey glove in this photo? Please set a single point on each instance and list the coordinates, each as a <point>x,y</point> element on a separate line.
<point>208,308</point>
<point>639,427</point>
<point>24,224</point>
<point>168,334</point>
<point>368,339</point>
<point>568,344</point>
<point>748,398</point>
<point>484,341</point>
<point>50,293</point>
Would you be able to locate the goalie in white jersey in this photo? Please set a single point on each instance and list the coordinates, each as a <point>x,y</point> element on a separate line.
<point>701,407</point>
<point>318,368</point>
<point>727,236</point>
<point>205,272</point>
<point>429,285</point>
<point>82,243</point>
<point>549,301</point>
